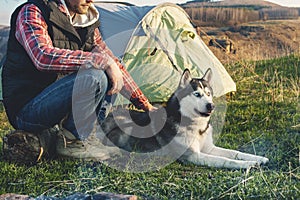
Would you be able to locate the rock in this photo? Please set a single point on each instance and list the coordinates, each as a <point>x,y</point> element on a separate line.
<point>11,196</point>
<point>77,196</point>
<point>22,147</point>
<point>111,196</point>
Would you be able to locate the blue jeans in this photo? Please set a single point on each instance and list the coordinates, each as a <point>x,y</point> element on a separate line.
<point>76,99</point>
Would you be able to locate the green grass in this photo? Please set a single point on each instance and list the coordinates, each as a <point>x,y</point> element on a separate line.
<point>261,118</point>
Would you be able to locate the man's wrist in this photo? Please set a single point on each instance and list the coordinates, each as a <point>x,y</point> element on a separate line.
<point>98,62</point>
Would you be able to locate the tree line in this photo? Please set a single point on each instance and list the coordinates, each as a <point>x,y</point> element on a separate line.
<point>220,16</point>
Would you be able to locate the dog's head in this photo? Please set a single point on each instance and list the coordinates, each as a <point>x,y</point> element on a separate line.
<point>195,96</point>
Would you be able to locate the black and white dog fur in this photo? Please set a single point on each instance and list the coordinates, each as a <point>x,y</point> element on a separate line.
<point>186,126</point>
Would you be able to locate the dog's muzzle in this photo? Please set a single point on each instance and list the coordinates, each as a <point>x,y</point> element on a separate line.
<point>209,109</point>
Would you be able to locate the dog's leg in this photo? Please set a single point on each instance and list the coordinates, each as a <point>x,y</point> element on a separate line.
<point>218,161</point>
<point>233,154</point>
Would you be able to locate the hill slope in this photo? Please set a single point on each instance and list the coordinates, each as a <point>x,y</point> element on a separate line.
<point>249,26</point>
<point>257,40</point>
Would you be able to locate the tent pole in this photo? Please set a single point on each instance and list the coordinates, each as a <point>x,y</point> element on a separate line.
<point>162,47</point>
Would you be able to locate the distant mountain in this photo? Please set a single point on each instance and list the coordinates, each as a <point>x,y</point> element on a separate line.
<point>4,32</point>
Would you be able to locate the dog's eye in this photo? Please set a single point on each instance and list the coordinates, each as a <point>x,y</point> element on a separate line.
<point>197,94</point>
<point>207,92</point>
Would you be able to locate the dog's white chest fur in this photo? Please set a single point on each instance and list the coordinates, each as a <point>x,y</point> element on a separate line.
<point>193,137</point>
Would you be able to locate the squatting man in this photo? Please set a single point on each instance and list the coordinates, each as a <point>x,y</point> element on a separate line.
<point>59,71</point>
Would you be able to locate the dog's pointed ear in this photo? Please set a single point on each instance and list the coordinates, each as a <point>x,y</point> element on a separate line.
<point>208,74</point>
<point>185,78</point>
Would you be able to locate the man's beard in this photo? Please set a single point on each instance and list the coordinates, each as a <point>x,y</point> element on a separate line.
<point>76,9</point>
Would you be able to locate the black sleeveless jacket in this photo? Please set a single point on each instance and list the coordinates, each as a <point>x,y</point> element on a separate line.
<point>21,81</point>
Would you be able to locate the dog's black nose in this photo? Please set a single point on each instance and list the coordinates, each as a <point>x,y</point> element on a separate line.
<point>210,106</point>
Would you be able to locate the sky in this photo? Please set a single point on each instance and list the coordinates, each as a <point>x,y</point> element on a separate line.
<point>7,6</point>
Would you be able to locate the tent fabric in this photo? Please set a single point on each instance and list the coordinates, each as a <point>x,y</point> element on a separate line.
<point>117,23</point>
<point>160,42</point>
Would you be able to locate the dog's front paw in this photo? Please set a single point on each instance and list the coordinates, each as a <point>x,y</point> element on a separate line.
<point>257,163</point>
<point>263,160</point>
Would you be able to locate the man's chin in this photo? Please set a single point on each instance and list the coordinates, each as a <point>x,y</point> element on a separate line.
<point>82,10</point>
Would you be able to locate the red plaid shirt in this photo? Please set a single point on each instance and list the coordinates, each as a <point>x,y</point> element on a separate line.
<point>31,32</point>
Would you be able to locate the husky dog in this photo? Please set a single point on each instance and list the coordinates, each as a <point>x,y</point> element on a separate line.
<point>183,123</point>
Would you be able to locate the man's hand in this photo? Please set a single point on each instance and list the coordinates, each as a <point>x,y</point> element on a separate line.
<point>116,78</point>
<point>151,108</point>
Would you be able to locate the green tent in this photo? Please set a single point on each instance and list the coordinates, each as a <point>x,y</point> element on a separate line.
<point>156,43</point>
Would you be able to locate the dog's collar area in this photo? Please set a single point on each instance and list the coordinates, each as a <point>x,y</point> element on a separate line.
<point>203,131</point>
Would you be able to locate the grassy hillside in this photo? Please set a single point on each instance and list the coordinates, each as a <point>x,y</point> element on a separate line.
<point>259,40</point>
<point>261,118</point>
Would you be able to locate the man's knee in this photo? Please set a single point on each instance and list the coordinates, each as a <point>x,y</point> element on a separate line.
<point>91,78</point>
